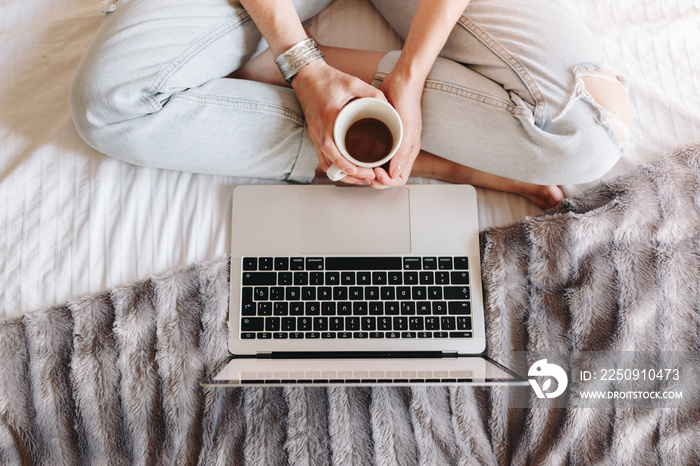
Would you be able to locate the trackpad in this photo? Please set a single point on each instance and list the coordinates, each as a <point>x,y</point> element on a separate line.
<point>355,221</point>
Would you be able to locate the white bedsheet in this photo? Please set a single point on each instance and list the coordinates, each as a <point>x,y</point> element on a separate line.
<point>74,222</point>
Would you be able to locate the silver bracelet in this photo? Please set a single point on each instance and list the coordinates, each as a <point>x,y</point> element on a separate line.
<point>297,57</point>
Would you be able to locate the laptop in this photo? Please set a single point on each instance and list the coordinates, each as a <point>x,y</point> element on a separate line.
<point>356,286</point>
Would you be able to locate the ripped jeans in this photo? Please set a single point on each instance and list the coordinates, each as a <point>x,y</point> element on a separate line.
<point>507,94</point>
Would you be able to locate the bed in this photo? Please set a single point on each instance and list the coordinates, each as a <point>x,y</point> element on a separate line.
<point>74,222</point>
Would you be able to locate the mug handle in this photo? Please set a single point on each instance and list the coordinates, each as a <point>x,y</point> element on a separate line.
<point>335,173</point>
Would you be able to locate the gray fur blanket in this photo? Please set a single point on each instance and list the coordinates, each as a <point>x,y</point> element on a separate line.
<point>114,378</point>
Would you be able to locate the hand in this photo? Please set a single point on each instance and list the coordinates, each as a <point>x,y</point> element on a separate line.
<point>322,91</point>
<point>405,95</point>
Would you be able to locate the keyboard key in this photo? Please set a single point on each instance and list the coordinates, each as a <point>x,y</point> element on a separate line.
<point>415,323</point>
<point>464,323</point>
<point>250,263</point>
<point>345,308</point>
<point>248,307</point>
<point>293,293</point>
<point>384,324</point>
<point>314,263</point>
<point>460,308</point>
<point>395,278</point>
<point>284,278</point>
<point>456,292</point>
<point>359,308</point>
<point>316,278</point>
<point>442,278</point>
<point>301,278</point>
<point>276,293</point>
<point>336,324</point>
<point>272,324</point>
<point>321,324</point>
<point>252,324</point>
<point>328,308</point>
<point>448,323</point>
<point>460,278</point>
<point>430,263</point>
<point>265,263</point>
<point>308,293</point>
<point>403,293</point>
<point>332,278</point>
<point>445,263</point>
<point>259,278</point>
<point>313,308</point>
<point>281,263</point>
<point>281,309</point>
<point>340,293</point>
<point>376,308</point>
<point>432,323</point>
<point>264,336</point>
<point>460,334</point>
<point>419,293</point>
<point>296,335</point>
<point>371,293</point>
<point>344,335</point>
<point>289,324</point>
<point>328,335</point>
<point>312,335</point>
<point>408,334</point>
<point>280,336</point>
<point>434,292</point>
<point>356,293</point>
<point>369,323</point>
<point>364,278</point>
<point>461,263</point>
<point>412,263</point>
<point>410,278</point>
<point>265,308</point>
<point>360,335</point>
<point>400,323</point>
<point>260,293</point>
<point>388,293</point>
<point>248,336</point>
<point>363,263</point>
<point>424,308</point>
<point>392,308</point>
<point>408,308</point>
<point>379,278</point>
<point>296,309</point>
<point>425,334</point>
<point>347,278</point>
<point>439,308</point>
<point>376,335</point>
<point>441,334</point>
<point>392,335</point>
<point>352,323</point>
<point>426,278</point>
<point>325,293</point>
<point>304,324</point>
<point>296,263</point>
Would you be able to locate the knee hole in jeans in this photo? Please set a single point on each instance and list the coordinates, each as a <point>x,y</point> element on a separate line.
<point>604,91</point>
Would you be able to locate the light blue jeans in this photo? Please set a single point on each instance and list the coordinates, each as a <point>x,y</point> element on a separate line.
<point>502,97</point>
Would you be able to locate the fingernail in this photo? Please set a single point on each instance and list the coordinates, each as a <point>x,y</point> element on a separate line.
<point>351,171</point>
<point>396,171</point>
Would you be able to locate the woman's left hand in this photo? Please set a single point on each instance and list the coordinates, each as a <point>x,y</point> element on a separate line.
<point>405,95</point>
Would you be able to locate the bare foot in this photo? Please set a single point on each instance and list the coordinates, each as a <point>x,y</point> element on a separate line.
<point>432,166</point>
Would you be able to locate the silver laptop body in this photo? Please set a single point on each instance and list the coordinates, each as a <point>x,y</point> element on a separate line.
<point>356,286</point>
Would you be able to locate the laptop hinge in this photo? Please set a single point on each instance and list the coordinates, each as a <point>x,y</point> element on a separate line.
<point>355,354</point>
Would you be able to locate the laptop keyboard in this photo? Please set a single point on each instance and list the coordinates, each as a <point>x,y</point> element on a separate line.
<point>355,297</point>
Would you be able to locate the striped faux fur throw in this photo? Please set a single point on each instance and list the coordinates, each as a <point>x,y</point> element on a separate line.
<point>114,378</point>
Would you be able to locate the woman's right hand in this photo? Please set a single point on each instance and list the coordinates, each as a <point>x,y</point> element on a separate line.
<point>322,91</point>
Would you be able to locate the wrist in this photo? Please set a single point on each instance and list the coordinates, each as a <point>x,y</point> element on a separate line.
<point>409,72</point>
<point>297,57</point>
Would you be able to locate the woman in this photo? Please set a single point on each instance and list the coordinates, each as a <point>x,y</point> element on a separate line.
<point>506,94</point>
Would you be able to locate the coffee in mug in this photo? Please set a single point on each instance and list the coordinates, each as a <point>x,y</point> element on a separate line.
<point>367,132</point>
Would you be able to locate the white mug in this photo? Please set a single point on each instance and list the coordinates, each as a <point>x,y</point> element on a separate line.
<point>366,107</point>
